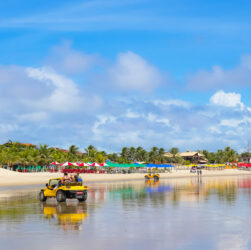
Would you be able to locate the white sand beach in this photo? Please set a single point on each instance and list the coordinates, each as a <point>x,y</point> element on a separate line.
<point>10,178</point>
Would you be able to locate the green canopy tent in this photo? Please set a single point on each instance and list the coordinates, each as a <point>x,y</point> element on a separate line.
<point>38,168</point>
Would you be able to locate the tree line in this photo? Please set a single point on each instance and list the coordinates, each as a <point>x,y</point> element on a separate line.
<point>15,153</point>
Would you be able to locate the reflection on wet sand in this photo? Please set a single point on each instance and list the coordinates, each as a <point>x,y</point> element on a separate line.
<point>68,216</point>
<point>20,206</point>
<point>195,213</point>
<point>194,189</point>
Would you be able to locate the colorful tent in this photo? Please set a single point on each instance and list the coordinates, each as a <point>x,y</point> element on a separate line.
<point>55,163</point>
<point>247,165</point>
<point>67,164</point>
<point>167,166</point>
<point>95,164</point>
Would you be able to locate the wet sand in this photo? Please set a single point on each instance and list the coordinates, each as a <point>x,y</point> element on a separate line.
<point>10,178</point>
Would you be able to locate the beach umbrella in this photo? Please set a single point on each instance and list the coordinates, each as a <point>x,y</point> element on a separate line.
<point>80,164</point>
<point>151,165</point>
<point>103,164</point>
<point>95,164</point>
<point>167,166</point>
<point>67,164</point>
<point>55,163</point>
<point>110,164</point>
<point>138,165</point>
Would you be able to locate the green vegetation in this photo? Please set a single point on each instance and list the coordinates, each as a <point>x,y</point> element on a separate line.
<point>15,153</point>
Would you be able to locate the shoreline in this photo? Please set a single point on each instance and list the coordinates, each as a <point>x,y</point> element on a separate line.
<point>10,178</point>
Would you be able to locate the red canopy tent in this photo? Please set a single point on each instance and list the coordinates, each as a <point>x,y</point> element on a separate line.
<point>67,164</point>
<point>95,164</point>
<point>82,164</point>
<point>55,163</point>
<point>247,165</point>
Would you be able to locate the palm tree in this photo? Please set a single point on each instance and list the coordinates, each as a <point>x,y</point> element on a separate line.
<point>90,149</point>
<point>44,157</point>
<point>132,152</point>
<point>219,156</point>
<point>230,155</point>
<point>154,149</point>
<point>160,154</point>
<point>125,154</point>
<point>174,151</point>
<point>153,154</point>
<point>73,149</point>
<point>141,154</point>
<point>113,157</point>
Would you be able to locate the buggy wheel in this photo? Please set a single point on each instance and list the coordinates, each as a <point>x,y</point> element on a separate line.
<point>156,178</point>
<point>41,196</point>
<point>146,178</point>
<point>60,196</point>
<point>84,197</point>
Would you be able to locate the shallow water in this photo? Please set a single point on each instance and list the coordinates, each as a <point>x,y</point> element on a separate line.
<point>196,213</point>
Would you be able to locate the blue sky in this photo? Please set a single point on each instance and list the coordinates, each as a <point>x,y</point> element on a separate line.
<point>126,73</point>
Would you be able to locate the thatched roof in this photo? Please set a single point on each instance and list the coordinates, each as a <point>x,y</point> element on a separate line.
<point>190,154</point>
<point>167,154</point>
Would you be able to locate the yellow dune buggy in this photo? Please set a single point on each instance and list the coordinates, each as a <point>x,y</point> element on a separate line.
<point>151,176</point>
<point>62,191</point>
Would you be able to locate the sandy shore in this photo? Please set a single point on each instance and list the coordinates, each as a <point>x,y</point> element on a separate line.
<point>10,178</point>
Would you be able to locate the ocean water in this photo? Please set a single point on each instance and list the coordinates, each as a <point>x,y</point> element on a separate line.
<point>194,213</point>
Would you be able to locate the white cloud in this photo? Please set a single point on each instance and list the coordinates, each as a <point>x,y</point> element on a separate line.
<point>132,73</point>
<point>64,96</point>
<point>157,119</point>
<point>230,123</point>
<point>5,128</point>
<point>151,117</point>
<point>165,121</point>
<point>67,60</point>
<point>45,104</point>
<point>222,98</point>
<point>131,114</point>
<point>171,102</point>
<point>102,120</point>
<point>222,78</point>
<point>33,117</point>
<point>214,130</point>
<point>235,123</point>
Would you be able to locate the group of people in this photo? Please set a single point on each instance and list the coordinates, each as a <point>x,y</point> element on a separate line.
<point>199,172</point>
<point>71,178</point>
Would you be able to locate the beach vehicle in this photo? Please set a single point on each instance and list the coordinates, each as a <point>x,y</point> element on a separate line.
<point>62,191</point>
<point>152,176</point>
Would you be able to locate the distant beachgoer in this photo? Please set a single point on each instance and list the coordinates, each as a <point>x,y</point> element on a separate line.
<point>77,178</point>
<point>66,178</point>
<point>200,172</point>
<point>72,177</point>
